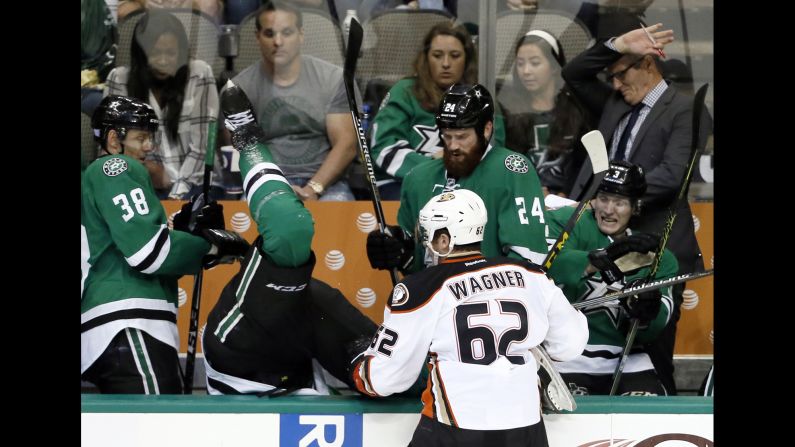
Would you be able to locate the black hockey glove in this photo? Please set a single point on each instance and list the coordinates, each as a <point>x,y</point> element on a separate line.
<point>393,248</point>
<point>355,350</point>
<point>195,216</point>
<point>644,306</point>
<point>227,246</point>
<point>604,259</point>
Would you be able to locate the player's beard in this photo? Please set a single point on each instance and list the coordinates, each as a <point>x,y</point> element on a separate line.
<point>462,168</point>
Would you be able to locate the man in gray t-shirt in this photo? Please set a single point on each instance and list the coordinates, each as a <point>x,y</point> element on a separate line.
<point>301,105</point>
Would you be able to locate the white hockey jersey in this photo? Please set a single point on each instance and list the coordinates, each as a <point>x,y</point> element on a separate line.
<point>477,318</point>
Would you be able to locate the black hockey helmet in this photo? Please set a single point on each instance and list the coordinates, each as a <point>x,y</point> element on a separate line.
<point>626,179</point>
<point>464,106</point>
<point>121,113</point>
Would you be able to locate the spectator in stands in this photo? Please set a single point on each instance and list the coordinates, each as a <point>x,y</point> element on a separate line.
<point>543,120</point>
<point>605,253</point>
<point>404,131</point>
<point>648,123</point>
<point>301,103</point>
<point>97,51</point>
<point>131,261</point>
<point>127,7</point>
<point>369,8</point>
<point>236,10</point>
<point>522,5</point>
<point>184,96</point>
<point>213,8</point>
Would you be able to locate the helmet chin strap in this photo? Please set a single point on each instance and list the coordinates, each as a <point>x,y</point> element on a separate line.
<point>436,254</point>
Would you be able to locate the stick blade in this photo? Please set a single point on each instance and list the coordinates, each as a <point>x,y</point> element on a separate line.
<point>355,37</point>
<point>595,145</point>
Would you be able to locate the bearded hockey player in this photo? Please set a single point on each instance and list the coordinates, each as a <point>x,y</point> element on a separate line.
<point>505,180</point>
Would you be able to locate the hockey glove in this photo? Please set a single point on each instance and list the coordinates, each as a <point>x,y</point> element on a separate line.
<point>393,248</point>
<point>644,306</point>
<point>355,350</point>
<point>611,259</point>
<point>227,246</point>
<point>555,395</point>
<point>195,216</point>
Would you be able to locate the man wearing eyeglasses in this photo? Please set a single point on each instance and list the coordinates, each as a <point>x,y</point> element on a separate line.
<point>648,123</point>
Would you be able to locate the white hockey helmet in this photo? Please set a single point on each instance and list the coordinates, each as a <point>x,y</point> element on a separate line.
<point>461,212</point>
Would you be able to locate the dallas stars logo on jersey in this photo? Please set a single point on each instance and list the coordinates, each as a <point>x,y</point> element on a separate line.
<point>114,167</point>
<point>595,288</point>
<point>516,164</point>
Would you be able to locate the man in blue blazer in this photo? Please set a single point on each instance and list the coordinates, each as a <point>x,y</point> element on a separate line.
<point>648,123</point>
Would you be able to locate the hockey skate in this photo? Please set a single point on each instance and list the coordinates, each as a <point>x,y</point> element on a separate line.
<point>239,118</point>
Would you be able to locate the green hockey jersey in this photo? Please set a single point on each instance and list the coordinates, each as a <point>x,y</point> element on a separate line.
<point>130,261</point>
<point>405,135</point>
<point>509,187</point>
<point>607,323</point>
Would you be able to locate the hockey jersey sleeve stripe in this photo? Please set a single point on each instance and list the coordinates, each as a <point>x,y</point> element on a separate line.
<point>445,410</point>
<point>534,257</point>
<point>129,314</point>
<point>361,378</point>
<point>669,304</point>
<point>387,153</point>
<point>151,256</point>
<point>259,175</point>
<point>85,255</point>
<point>397,161</point>
<point>128,303</point>
<point>258,169</point>
<point>428,407</point>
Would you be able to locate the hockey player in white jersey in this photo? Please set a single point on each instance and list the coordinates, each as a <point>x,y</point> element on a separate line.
<point>476,319</point>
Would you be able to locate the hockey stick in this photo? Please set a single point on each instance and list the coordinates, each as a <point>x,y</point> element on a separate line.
<point>193,328</point>
<point>654,285</point>
<point>594,144</point>
<point>355,37</point>
<point>698,106</point>
<point>559,397</point>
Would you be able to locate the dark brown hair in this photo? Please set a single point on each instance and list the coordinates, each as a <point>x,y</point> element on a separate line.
<point>149,28</point>
<point>269,6</point>
<point>426,91</point>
